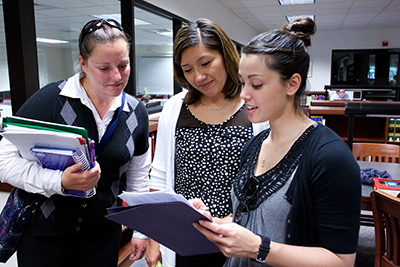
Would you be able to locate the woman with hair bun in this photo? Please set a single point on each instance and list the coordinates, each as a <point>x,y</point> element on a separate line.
<point>296,198</point>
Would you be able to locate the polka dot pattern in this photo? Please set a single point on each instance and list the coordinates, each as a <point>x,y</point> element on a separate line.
<point>207,160</point>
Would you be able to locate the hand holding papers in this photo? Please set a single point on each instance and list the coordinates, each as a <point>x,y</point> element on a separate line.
<point>54,146</point>
<point>165,217</point>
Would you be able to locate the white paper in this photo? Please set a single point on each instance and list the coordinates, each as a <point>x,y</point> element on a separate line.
<point>164,196</point>
<point>25,138</point>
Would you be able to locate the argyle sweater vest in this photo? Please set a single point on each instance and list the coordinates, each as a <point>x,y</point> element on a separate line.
<point>130,138</point>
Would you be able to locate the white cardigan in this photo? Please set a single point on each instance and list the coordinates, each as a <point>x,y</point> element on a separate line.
<point>162,170</point>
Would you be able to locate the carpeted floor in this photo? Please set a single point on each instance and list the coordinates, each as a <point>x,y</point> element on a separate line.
<point>366,247</point>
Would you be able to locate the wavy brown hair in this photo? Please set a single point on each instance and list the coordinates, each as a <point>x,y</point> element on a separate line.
<point>212,36</point>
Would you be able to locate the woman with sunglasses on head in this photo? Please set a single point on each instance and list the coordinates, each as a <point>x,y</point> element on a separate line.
<point>72,231</point>
<point>297,196</point>
<point>201,130</point>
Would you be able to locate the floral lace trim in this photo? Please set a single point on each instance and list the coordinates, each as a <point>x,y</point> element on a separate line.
<point>272,180</point>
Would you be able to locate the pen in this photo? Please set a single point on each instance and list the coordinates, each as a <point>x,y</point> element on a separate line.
<point>205,208</point>
<point>91,144</point>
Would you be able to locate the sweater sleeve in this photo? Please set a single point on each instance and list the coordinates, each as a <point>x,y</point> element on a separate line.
<point>159,166</point>
<point>25,174</point>
<point>138,173</point>
<point>162,169</point>
<point>20,172</point>
<point>336,194</point>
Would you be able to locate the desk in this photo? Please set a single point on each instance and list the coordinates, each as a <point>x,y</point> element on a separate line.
<point>392,168</point>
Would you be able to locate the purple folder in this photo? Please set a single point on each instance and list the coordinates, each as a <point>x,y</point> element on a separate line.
<point>169,224</point>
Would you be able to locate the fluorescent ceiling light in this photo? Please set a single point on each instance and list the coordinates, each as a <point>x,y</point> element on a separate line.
<point>50,41</point>
<point>290,18</point>
<point>295,2</point>
<point>167,33</point>
<point>117,17</point>
<point>139,22</point>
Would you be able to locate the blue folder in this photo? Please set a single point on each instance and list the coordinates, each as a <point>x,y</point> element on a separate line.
<point>170,224</point>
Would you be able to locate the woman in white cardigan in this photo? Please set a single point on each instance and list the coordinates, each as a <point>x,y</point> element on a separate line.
<point>201,131</point>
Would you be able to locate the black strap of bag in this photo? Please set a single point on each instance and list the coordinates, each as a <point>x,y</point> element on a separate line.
<point>14,217</point>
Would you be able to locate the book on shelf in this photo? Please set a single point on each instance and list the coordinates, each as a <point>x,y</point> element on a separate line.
<point>319,119</point>
<point>391,126</point>
<point>54,146</point>
<point>397,130</point>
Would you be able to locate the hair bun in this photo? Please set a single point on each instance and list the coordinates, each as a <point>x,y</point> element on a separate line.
<point>303,28</point>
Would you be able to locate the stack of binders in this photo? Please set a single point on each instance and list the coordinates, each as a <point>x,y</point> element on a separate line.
<point>54,146</point>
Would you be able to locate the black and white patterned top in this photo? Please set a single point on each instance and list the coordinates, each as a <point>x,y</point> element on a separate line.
<point>207,158</point>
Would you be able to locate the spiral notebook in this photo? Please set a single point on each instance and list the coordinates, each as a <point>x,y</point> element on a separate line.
<point>56,158</point>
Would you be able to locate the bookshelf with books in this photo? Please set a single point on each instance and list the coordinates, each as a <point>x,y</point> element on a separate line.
<point>393,130</point>
<point>366,128</point>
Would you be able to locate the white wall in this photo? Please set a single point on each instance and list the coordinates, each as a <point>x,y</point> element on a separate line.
<point>323,42</point>
<point>56,63</point>
<point>4,79</point>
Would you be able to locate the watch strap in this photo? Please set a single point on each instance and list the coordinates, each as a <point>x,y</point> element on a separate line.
<point>263,250</point>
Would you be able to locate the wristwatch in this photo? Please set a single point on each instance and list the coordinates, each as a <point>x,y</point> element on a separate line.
<point>263,250</point>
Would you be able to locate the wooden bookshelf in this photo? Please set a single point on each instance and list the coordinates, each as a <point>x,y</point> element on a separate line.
<point>366,129</point>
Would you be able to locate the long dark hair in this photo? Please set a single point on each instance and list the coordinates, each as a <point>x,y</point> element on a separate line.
<point>212,36</point>
<point>285,50</point>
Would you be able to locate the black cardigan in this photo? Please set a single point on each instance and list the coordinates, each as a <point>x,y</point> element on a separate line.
<point>325,194</point>
<point>129,139</point>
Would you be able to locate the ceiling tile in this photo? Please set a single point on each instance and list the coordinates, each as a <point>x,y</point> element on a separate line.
<point>233,4</point>
<point>64,18</point>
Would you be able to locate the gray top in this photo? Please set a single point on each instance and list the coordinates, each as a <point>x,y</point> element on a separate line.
<point>275,207</point>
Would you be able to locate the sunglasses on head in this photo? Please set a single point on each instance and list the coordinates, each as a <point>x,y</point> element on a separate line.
<point>96,24</point>
<point>241,216</point>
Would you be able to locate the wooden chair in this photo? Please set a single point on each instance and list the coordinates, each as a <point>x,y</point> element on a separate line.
<point>125,248</point>
<point>376,152</point>
<point>386,211</point>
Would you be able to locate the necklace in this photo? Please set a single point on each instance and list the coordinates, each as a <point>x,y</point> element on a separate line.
<point>216,109</point>
<point>276,150</point>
